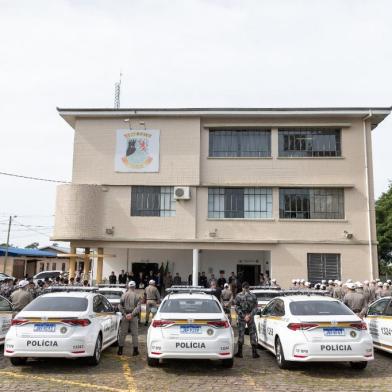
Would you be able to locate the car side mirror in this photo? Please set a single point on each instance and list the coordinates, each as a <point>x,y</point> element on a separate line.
<point>258,312</point>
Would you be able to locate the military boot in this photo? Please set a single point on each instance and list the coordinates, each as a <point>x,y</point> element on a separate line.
<point>135,351</point>
<point>254,352</point>
<point>120,350</point>
<point>239,352</point>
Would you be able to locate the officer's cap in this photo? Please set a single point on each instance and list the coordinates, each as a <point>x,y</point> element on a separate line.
<point>131,284</point>
<point>351,286</point>
<point>226,285</point>
<point>379,284</point>
<point>23,283</point>
<point>366,282</point>
<point>152,281</point>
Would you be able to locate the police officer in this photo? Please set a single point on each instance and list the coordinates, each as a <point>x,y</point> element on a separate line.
<point>21,297</point>
<point>130,308</point>
<point>355,301</point>
<point>227,300</point>
<point>246,308</point>
<point>152,297</point>
<point>338,291</point>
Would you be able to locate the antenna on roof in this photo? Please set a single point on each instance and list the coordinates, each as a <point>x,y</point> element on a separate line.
<point>117,93</point>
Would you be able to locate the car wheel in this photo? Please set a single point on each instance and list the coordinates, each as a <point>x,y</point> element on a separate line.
<point>228,363</point>
<point>94,360</point>
<point>358,365</point>
<point>279,354</point>
<point>153,362</point>
<point>18,361</point>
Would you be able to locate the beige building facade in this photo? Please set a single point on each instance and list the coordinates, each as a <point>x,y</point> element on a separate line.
<point>285,192</point>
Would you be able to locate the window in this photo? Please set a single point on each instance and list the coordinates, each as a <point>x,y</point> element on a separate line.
<point>153,201</point>
<point>305,142</point>
<point>319,308</point>
<point>249,203</point>
<point>240,143</point>
<point>388,310</point>
<point>47,266</point>
<point>57,304</point>
<point>5,306</point>
<point>311,203</point>
<point>41,267</point>
<point>378,308</point>
<point>190,306</point>
<point>323,266</point>
<point>63,267</point>
<point>53,266</point>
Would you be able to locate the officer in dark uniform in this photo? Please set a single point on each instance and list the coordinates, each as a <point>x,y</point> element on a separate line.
<point>246,308</point>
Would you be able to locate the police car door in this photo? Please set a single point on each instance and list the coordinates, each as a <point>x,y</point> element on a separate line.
<point>274,321</point>
<point>109,309</point>
<point>385,322</point>
<point>5,318</point>
<point>262,328</point>
<point>374,317</point>
<point>103,316</point>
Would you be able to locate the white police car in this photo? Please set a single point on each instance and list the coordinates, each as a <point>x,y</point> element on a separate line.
<point>264,294</point>
<point>112,293</point>
<point>6,313</point>
<point>190,325</point>
<point>306,328</point>
<point>63,324</point>
<point>379,321</point>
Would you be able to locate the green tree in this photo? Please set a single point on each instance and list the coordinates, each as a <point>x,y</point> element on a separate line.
<point>384,230</point>
<point>33,245</point>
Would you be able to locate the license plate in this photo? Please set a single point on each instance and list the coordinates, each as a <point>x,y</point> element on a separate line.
<point>44,327</point>
<point>190,329</point>
<point>334,332</point>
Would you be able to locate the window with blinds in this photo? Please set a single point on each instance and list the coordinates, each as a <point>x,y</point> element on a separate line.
<point>153,201</point>
<point>240,143</point>
<point>323,266</point>
<point>248,203</point>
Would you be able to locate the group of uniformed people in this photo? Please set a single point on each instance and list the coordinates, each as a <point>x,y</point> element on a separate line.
<point>356,295</point>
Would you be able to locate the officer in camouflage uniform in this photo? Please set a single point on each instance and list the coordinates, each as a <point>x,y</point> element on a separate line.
<point>246,308</point>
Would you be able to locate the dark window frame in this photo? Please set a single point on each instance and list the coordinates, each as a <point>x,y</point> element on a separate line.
<point>311,203</point>
<point>240,143</point>
<point>240,203</point>
<point>153,201</point>
<point>310,142</point>
<point>325,267</point>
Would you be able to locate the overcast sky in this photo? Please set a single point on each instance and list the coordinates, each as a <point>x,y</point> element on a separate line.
<point>186,53</point>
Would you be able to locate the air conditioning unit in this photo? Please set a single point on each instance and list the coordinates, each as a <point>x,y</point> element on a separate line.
<point>182,192</point>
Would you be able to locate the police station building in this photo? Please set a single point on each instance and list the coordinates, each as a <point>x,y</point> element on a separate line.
<point>287,191</point>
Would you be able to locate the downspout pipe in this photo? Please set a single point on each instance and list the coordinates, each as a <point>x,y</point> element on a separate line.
<point>369,210</point>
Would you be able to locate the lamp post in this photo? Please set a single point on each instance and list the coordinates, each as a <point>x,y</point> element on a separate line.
<point>8,242</point>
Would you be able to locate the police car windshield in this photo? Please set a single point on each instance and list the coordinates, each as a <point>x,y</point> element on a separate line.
<point>266,296</point>
<point>190,306</point>
<point>57,304</point>
<point>111,294</point>
<point>319,308</point>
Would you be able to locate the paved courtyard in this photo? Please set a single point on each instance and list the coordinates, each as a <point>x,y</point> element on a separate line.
<point>121,374</point>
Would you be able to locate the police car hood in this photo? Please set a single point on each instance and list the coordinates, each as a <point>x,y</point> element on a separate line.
<point>50,315</point>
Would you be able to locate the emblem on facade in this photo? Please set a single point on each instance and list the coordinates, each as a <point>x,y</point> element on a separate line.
<point>137,154</point>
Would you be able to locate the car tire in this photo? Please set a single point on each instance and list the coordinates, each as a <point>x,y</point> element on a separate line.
<point>18,361</point>
<point>228,363</point>
<point>358,365</point>
<point>279,355</point>
<point>94,360</point>
<point>152,362</point>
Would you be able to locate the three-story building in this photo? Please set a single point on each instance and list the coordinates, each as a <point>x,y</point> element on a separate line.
<point>286,192</point>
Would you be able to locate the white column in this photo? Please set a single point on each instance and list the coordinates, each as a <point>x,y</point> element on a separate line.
<point>195,269</point>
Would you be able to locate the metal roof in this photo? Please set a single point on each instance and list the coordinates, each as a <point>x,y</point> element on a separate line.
<point>378,113</point>
<point>26,252</point>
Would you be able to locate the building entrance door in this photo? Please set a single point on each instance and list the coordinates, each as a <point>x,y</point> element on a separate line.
<point>248,273</point>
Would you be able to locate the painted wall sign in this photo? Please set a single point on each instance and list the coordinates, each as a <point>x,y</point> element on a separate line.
<point>137,151</point>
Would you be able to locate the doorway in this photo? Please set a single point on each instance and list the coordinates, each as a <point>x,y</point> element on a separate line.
<point>248,273</point>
